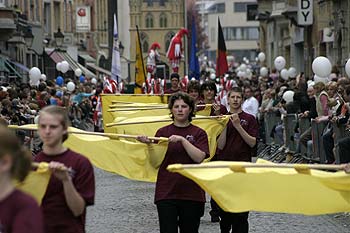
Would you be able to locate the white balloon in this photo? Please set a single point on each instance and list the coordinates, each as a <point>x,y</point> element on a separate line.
<point>43,77</point>
<point>347,68</point>
<point>58,66</point>
<point>284,74</point>
<point>241,74</point>
<point>70,86</point>
<point>247,61</point>
<point>36,119</point>
<point>288,96</point>
<point>93,80</point>
<point>280,63</point>
<point>78,72</point>
<point>64,67</point>
<point>292,72</point>
<point>332,76</point>
<point>311,84</point>
<point>261,57</point>
<point>264,71</point>
<point>212,76</point>
<point>34,74</point>
<point>318,79</point>
<point>36,83</point>
<point>321,66</point>
<point>243,67</point>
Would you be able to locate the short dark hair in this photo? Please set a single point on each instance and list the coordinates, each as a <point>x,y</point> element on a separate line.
<point>175,75</point>
<point>186,98</point>
<point>209,85</point>
<point>194,85</point>
<point>235,89</point>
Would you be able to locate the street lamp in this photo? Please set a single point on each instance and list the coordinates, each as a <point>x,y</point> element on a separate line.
<point>28,38</point>
<point>58,37</point>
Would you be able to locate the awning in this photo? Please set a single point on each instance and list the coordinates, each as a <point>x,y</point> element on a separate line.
<point>21,66</point>
<point>3,67</point>
<point>99,69</point>
<point>59,56</point>
<point>87,58</point>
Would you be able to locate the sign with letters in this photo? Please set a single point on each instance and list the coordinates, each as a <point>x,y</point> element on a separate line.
<point>305,12</point>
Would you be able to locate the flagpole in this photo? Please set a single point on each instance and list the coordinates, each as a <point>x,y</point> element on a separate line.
<point>116,108</point>
<point>158,121</point>
<point>301,168</point>
<point>110,135</point>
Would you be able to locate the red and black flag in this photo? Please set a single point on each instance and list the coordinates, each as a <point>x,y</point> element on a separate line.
<point>221,61</point>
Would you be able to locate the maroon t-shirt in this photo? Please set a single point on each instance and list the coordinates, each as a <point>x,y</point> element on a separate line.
<point>57,215</point>
<point>171,91</point>
<point>236,149</point>
<point>20,213</point>
<point>173,185</point>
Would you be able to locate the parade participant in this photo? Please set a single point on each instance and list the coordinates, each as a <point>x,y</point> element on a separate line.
<point>175,80</point>
<point>208,91</point>
<point>19,213</point>
<point>194,90</point>
<point>251,104</point>
<point>175,50</point>
<point>180,201</point>
<point>153,57</point>
<point>235,144</point>
<point>68,193</point>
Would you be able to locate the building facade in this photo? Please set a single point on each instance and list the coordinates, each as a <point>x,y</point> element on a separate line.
<point>158,21</point>
<point>241,35</point>
<point>282,35</point>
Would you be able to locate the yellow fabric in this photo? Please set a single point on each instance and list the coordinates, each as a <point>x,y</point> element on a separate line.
<point>140,71</point>
<point>107,100</point>
<point>213,127</point>
<point>273,189</point>
<point>131,159</point>
<point>36,182</point>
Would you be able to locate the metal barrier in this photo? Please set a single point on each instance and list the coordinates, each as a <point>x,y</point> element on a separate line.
<point>339,133</point>
<point>304,124</point>
<point>316,132</point>
<point>270,121</point>
<point>290,121</point>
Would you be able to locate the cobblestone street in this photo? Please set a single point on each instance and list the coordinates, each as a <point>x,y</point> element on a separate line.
<point>126,206</point>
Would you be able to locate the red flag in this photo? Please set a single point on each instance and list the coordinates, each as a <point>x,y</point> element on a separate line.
<point>221,61</point>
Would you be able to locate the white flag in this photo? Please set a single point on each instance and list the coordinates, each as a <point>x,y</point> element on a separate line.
<point>116,67</point>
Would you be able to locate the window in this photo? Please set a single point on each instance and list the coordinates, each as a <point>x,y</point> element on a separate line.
<point>241,33</point>
<point>163,22</point>
<point>144,42</point>
<point>149,21</point>
<point>217,8</point>
<point>240,7</point>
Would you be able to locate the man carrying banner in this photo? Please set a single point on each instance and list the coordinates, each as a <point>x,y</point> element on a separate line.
<point>235,144</point>
<point>72,185</point>
<point>180,201</point>
<point>18,211</point>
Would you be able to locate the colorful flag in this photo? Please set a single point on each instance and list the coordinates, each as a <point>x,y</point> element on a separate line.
<point>281,190</point>
<point>194,65</point>
<point>221,60</point>
<point>140,72</point>
<point>116,67</point>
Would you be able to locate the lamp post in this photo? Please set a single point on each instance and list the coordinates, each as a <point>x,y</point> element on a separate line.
<point>59,36</point>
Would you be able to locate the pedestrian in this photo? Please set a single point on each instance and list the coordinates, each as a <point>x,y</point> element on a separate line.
<point>180,201</point>
<point>19,213</point>
<point>235,144</point>
<point>72,185</point>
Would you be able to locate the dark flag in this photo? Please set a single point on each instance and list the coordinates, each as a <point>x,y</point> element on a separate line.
<point>194,65</point>
<point>221,61</point>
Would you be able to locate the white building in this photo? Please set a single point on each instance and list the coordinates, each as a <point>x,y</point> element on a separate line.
<point>241,36</point>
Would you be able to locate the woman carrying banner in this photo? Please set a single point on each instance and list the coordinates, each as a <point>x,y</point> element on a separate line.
<point>69,190</point>
<point>180,202</point>
<point>18,212</point>
<point>236,143</point>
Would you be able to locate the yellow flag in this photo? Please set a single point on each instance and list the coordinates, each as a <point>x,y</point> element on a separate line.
<point>140,72</point>
<point>36,183</point>
<point>272,189</point>
<point>149,125</point>
<point>108,100</point>
<point>131,159</point>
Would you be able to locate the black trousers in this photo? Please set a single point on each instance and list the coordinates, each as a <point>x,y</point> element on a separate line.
<point>179,214</point>
<point>238,222</point>
<point>344,150</point>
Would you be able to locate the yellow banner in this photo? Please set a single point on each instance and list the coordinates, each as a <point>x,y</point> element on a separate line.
<point>140,71</point>
<point>281,190</point>
<point>149,125</point>
<point>108,100</point>
<point>36,183</point>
